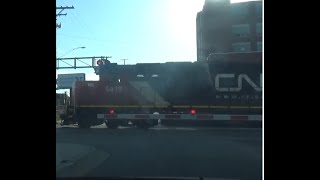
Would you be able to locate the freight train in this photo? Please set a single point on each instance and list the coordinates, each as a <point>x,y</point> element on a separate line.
<point>225,89</point>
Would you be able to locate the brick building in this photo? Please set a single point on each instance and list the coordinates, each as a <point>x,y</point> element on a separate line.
<point>224,27</point>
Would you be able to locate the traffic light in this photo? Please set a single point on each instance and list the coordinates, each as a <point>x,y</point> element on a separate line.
<point>99,62</point>
<point>106,61</point>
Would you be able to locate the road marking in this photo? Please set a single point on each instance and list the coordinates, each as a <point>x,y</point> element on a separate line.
<point>174,128</point>
<point>185,128</point>
<point>159,128</point>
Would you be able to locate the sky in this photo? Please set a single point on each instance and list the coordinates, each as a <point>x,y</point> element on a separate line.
<point>142,31</point>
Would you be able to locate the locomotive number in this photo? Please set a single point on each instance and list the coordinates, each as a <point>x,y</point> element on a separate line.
<point>114,89</point>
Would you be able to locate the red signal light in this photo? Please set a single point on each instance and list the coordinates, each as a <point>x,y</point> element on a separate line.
<point>111,111</point>
<point>193,112</point>
<point>99,62</point>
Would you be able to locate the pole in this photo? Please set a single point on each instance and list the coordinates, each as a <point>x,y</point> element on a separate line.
<point>124,61</point>
<point>154,98</point>
<point>59,14</point>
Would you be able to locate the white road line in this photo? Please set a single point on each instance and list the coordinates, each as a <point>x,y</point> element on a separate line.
<point>185,128</point>
<point>160,128</point>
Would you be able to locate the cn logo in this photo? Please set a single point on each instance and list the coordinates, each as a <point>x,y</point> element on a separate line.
<point>241,77</point>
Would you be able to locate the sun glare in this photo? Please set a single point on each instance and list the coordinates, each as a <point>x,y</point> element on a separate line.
<point>182,17</point>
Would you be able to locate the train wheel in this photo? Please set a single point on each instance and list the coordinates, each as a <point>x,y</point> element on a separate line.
<point>84,123</point>
<point>83,120</point>
<point>144,124</point>
<point>154,122</point>
<point>112,125</point>
<point>139,124</point>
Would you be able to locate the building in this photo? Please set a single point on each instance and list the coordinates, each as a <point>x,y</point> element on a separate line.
<point>224,27</point>
<point>61,98</point>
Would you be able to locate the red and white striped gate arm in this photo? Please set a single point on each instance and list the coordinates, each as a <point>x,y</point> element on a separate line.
<point>180,117</point>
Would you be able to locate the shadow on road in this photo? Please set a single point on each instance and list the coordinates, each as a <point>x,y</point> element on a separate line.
<point>163,130</point>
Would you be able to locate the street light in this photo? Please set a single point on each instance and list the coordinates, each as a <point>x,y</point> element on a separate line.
<point>72,50</point>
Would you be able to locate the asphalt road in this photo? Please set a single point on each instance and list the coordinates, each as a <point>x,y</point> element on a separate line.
<point>227,153</point>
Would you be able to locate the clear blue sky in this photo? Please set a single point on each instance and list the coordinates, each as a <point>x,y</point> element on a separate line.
<point>138,30</point>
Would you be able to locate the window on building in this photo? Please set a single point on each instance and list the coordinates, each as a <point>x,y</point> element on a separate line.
<point>239,9</point>
<point>259,46</point>
<point>259,10</point>
<point>241,30</point>
<point>259,29</point>
<point>241,47</point>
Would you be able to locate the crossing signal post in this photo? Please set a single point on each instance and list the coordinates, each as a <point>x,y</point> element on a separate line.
<point>100,65</point>
<point>79,62</point>
<point>106,61</point>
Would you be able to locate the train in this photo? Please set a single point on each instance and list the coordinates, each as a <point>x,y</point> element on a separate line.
<point>225,89</point>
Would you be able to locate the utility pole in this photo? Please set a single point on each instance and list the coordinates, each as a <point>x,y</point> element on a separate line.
<point>59,14</point>
<point>124,61</point>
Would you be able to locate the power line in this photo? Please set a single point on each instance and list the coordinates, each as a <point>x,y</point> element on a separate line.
<point>93,39</point>
<point>76,21</point>
<point>75,41</point>
<point>84,23</point>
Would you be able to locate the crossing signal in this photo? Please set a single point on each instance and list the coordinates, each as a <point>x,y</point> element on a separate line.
<point>106,61</point>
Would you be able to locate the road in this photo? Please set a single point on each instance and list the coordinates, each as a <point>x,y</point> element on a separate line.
<point>227,153</point>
